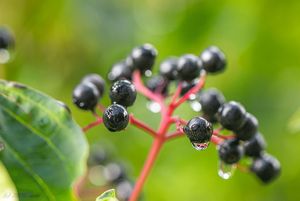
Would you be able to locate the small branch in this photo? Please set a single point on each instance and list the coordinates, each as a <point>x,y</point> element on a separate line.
<point>242,168</point>
<point>216,140</point>
<point>193,90</point>
<point>139,124</point>
<point>93,124</point>
<point>174,135</point>
<point>178,120</point>
<point>225,137</point>
<point>140,87</point>
<point>176,94</point>
<point>101,108</point>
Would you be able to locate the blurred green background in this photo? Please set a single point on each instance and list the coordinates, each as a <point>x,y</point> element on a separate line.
<point>59,41</point>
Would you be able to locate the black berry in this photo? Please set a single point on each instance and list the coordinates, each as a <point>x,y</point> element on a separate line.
<point>115,118</point>
<point>230,151</point>
<point>255,146</point>
<point>266,168</point>
<point>123,92</point>
<point>158,84</point>
<point>168,68</point>
<point>143,57</point>
<point>232,115</point>
<point>211,100</point>
<point>97,80</point>
<point>121,70</point>
<point>248,129</point>
<point>124,189</point>
<point>213,59</point>
<point>211,119</point>
<point>188,67</point>
<point>187,85</point>
<point>114,172</point>
<point>198,130</point>
<point>86,96</point>
<point>98,156</point>
<point>6,39</point>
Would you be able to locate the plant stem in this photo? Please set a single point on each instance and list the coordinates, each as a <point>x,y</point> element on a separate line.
<point>154,151</point>
<point>92,125</point>
<point>139,124</point>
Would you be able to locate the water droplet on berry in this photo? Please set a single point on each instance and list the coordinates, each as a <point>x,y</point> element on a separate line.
<point>153,106</point>
<point>4,56</point>
<point>226,170</point>
<point>200,146</point>
<point>196,106</point>
<point>148,73</point>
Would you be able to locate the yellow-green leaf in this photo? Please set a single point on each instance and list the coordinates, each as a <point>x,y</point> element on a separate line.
<point>109,195</point>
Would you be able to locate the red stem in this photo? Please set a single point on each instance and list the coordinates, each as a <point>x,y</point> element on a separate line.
<point>92,125</point>
<point>177,93</point>
<point>139,124</point>
<point>175,135</point>
<point>154,151</point>
<point>140,87</point>
<point>193,90</point>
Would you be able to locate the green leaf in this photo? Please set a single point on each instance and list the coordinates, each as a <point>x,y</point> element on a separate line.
<point>7,188</point>
<point>109,195</point>
<point>44,149</point>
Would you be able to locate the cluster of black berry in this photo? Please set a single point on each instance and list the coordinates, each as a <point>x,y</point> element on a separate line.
<point>105,171</point>
<point>122,94</point>
<point>185,70</point>
<point>247,140</point>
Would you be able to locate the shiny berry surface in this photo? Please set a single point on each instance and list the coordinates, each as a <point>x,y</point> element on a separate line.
<point>188,67</point>
<point>121,70</point>
<point>143,57</point>
<point>211,100</point>
<point>168,68</point>
<point>115,118</point>
<point>158,84</point>
<point>255,146</point>
<point>266,168</point>
<point>85,96</point>
<point>232,115</point>
<point>213,60</point>
<point>198,130</point>
<point>97,80</point>
<point>187,85</point>
<point>123,92</point>
<point>230,151</point>
<point>248,129</point>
